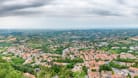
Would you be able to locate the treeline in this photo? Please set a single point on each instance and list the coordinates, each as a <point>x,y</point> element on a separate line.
<point>68,60</point>
<point>59,71</point>
<point>7,71</point>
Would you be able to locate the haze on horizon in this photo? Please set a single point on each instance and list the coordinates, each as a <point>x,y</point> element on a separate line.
<point>68,14</point>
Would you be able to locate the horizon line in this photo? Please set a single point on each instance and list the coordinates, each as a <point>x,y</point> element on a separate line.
<point>67,28</point>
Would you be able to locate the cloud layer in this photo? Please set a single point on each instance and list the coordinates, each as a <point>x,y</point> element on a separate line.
<point>68,14</point>
<point>69,7</point>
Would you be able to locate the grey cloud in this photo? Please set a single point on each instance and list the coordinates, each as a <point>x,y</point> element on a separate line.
<point>106,13</point>
<point>19,13</point>
<point>6,10</point>
<point>94,7</point>
<point>68,7</point>
<point>121,1</point>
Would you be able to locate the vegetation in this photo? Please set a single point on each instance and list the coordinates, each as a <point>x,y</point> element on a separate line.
<point>67,60</point>
<point>135,65</point>
<point>136,77</point>
<point>17,60</point>
<point>125,60</point>
<point>24,68</point>
<point>84,68</point>
<point>80,74</point>
<point>5,44</point>
<point>7,71</point>
<point>115,65</point>
<point>55,70</point>
<point>105,67</point>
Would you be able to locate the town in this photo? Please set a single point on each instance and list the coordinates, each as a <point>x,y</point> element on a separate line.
<point>69,54</point>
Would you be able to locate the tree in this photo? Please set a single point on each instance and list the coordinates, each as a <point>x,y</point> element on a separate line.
<point>105,67</point>
<point>80,74</point>
<point>7,71</point>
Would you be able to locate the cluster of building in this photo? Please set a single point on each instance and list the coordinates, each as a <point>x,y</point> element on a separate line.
<point>32,56</point>
<point>93,59</point>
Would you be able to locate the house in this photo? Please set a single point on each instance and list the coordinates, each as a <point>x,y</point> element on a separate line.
<point>106,74</point>
<point>127,55</point>
<point>122,72</point>
<point>93,75</point>
<point>117,76</point>
<point>28,75</point>
<point>77,67</point>
<point>134,70</point>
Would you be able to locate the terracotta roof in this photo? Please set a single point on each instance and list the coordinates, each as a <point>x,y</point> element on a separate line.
<point>28,75</point>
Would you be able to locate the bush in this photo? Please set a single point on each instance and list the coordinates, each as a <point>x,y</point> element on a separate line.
<point>113,64</point>
<point>7,71</point>
<point>125,60</point>
<point>18,60</point>
<point>136,77</point>
<point>105,67</point>
<point>67,60</point>
<point>24,68</point>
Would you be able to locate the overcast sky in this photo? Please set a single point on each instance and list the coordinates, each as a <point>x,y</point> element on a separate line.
<point>68,14</point>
